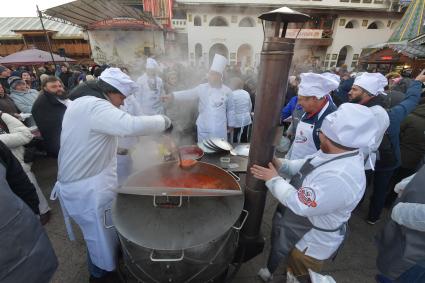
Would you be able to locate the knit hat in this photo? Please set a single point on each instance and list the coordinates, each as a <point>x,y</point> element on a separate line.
<point>14,80</point>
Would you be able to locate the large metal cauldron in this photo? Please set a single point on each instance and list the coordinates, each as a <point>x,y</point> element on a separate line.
<point>178,239</point>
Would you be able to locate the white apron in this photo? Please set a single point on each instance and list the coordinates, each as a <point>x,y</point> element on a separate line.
<point>304,143</point>
<point>124,167</point>
<point>86,201</point>
<point>212,119</point>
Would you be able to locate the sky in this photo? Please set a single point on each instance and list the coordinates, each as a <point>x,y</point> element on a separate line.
<point>27,8</point>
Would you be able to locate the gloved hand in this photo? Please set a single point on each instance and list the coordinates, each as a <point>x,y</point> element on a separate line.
<point>25,115</point>
<point>168,124</point>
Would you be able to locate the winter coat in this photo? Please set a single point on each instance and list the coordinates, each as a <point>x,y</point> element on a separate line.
<point>48,113</point>
<point>341,95</point>
<point>26,252</point>
<point>7,105</point>
<point>24,100</point>
<point>412,138</point>
<point>398,113</point>
<point>18,136</point>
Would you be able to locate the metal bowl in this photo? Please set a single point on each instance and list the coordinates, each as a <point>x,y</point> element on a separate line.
<point>191,152</point>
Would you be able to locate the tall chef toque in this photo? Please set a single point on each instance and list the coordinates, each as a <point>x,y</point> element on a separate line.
<point>121,81</point>
<point>316,85</point>
<point>151,64</point>
<point>219,64</point>
<point>374,83</point>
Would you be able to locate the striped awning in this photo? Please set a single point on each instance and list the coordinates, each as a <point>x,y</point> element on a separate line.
<point>412,23</point>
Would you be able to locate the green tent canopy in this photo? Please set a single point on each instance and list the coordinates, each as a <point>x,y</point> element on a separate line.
<point>412,23</point>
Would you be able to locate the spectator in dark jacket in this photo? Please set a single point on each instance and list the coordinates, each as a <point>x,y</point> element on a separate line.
<point>26,252</point>
<point>65,74</point>
<point>341,94</point>
<point>6,103</point>
<point>48,111</point>
<point>4,76</point>
<point>412,147</point>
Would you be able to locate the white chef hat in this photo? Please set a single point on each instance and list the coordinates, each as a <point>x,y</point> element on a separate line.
<point>151,64</point>
<point>374,83</point>
<point>219,63</point>
<point>316,85</point>
<point>121,81</point>
<point>352,125</point>
<point>332,76</point>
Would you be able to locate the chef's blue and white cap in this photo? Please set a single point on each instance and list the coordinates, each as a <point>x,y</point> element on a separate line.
<point>374,83</point>
<point>317,85</point>
<point>118,79</point>
<point>352,125</point>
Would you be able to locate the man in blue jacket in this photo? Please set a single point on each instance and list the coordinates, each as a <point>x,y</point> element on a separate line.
<point>389,151</point>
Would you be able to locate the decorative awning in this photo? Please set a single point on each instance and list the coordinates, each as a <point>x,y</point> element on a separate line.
<point>85,13</point>
<point>412,23</point>
<point>408,49</point>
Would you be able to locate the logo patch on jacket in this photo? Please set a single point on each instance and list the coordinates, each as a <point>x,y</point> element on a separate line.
<point>307,196</point>
<point>300,138</point>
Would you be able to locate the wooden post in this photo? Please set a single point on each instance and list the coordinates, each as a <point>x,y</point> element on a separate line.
<point>47,36</point>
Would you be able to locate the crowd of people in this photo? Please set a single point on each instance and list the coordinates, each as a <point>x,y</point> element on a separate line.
<point>346,130</point>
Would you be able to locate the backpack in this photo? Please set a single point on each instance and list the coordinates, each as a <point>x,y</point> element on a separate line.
<point>385,156</point>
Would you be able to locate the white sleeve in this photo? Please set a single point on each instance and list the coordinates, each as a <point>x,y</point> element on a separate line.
<point>403,183</point>
<point>411,215</point>
<point>231,111</point>
<point>189,94</point>
<point>18,135</point>
<point>321,195</point>
<point>291,167</point>
<point>107,119</point>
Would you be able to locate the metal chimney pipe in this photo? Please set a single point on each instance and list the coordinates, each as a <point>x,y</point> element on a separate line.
<point>276,57</point>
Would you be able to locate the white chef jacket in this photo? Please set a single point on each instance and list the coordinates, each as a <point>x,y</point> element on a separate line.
<point>150,99</point>
<point>240,108</point>
<point>213,109</point>
<point>89,140</point>
<point>327,197</point>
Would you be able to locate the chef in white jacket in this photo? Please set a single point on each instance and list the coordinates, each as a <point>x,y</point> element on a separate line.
<point>87,177</point>
<point>313,96</point>
<point>150,90</point>
<point>212,102</point>
<point>240,109</point>
<point>311,219</point>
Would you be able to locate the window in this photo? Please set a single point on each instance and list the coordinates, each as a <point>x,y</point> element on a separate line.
<point>352,24</point>
<point>376,25</point>
<point>218,22</point>
<point>344,0</point>
<point>367,1</point>
<point>389,24</point>
<point>364,23</point>
<point>328,56</point>
<point>197,21</point>
<point>355,1</point>
<point>247,22</point>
